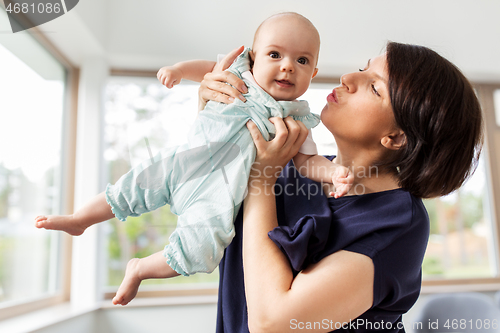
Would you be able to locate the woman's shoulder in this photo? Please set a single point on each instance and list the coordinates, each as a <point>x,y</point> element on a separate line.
<point>396,206</point>
<point>373,222</point>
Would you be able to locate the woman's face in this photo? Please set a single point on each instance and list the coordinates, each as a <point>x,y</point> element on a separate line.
<point>359,111</point>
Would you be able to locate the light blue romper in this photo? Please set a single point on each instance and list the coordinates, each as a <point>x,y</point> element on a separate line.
<point>204,180</point>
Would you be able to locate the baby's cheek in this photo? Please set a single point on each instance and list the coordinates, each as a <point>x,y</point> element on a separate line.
<point>259,77</point>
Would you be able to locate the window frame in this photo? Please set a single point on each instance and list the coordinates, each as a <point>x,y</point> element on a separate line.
<point>189,290</point>
<point>67,180</point>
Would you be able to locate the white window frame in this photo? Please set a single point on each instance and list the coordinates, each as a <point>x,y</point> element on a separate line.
<point>67,177</point>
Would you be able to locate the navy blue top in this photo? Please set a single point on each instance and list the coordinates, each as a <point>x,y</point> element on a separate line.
<point>390,227</point>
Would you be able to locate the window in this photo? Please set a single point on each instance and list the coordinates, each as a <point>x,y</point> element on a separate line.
<point>464,231</point>
<point>461,243</point>
<point>316,97</point>
<point>141,118</point>
<point>33,84</point>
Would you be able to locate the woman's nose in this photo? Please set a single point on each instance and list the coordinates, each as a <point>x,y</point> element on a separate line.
<point>287,66</point>
<point>348,81</point>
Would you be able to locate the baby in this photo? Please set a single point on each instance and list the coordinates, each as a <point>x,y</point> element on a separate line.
<point>204,181</point>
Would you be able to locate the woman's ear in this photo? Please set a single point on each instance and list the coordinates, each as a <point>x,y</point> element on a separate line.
<point>394,141</point>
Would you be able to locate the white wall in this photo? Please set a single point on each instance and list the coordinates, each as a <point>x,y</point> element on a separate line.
<point>137,34</point>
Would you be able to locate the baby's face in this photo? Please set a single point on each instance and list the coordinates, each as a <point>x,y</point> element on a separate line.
<point>285,55</point>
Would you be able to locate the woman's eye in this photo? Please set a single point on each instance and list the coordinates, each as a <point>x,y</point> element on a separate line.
<point>274,55</point>
<point>361,70</point>
<point>303,61</point>
<point>375,90</point>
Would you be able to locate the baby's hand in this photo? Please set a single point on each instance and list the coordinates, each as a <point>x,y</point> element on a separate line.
<point>169,76</point>
<point>342,179</point>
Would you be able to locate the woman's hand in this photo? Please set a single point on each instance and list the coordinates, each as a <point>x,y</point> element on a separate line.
<point>273,155</point>
<point>214,86</point>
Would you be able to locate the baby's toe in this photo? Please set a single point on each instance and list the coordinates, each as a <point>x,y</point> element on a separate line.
<point>46,224</point>
<point>40,223</point>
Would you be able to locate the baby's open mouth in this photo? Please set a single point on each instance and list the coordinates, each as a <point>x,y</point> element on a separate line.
<point>284,83</point>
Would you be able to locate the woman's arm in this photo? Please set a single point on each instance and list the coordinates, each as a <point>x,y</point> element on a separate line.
<point>337,289</point>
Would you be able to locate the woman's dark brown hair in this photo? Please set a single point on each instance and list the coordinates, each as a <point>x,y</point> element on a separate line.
<point>437,109</point>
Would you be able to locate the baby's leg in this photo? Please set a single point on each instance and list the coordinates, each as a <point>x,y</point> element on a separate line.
<point>152,267</point>
<point>96,210</point>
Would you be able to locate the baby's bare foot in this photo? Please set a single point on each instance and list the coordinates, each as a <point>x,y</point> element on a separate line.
<point>130,284</point>
<point>64,223</point>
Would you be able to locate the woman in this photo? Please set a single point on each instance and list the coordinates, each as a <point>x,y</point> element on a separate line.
<point>409,126</point>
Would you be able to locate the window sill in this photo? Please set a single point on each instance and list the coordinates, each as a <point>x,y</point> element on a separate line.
<point>460,285</point>
<point>163,301</point>
<point>42,318</point>
<point>170,292</point>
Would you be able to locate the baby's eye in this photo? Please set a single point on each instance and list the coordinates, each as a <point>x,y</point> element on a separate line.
<point>274,55</point>
<point>303,61</point>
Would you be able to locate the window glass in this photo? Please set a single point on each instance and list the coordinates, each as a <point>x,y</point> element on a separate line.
<point>141,118</point>
<point>461,240</point>
<point>31,110</point>
<point>316,97</point>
